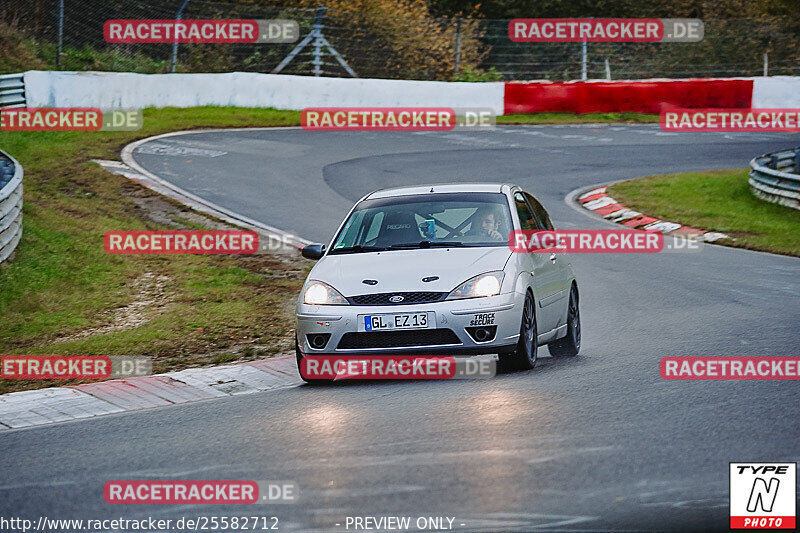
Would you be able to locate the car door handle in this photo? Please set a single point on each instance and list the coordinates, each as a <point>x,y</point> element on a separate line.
<point>553,258</point>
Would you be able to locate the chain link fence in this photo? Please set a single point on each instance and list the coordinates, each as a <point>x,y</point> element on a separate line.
<point>393,47</point>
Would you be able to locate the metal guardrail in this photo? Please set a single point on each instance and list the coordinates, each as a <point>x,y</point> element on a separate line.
<point>12,90</point>
<point>10,205</point>
<point>12,94</point>
<point>776,177</point>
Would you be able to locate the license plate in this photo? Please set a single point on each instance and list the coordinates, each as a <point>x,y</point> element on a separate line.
<point>394,321</point>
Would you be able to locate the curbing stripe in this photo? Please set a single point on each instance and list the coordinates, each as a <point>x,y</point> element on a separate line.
<point>36,407</point>
<point>603,201</point>
<point>639,221</point>
<point>122,395</point>
<point>591,197</point>
<point>249,376</point>
<point>608,209</point>
<point>276,371</point>
<point>286,365</point>
<point>188,377</point>
<point>598,201</point>
<point>169,389</point>
<point>598,190</point>
<point>623,214</point>
<point>688,229</point>
<point>663,227</point>
<point>61,404</point>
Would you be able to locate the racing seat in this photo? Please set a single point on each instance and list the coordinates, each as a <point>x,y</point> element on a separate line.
<point>399,227</point>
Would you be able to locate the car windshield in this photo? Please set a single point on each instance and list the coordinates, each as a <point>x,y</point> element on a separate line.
<point>423,221</point>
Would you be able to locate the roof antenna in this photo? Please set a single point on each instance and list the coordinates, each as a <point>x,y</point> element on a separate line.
<point>431,189</point>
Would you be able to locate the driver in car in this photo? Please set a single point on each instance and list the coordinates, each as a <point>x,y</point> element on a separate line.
<point>485,225</point>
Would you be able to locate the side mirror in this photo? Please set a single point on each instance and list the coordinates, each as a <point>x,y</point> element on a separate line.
<point>313,251</point>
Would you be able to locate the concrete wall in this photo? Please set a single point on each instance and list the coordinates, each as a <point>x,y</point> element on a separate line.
<point>245,89</point>
<point>776,92</point>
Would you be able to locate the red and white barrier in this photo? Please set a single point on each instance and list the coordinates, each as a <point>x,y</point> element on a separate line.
<point>248,89</point>
<point>638,96</point>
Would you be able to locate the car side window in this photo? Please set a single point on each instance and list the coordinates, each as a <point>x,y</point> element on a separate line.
<point>539,211</point>
<point>526,218</point>
<point>351,230</point>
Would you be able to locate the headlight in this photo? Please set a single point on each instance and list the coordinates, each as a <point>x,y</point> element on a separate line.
<point>483,285</point>
<point>319,293</point>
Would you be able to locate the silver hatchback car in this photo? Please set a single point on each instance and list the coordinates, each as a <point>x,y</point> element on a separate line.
<point>428,270</point>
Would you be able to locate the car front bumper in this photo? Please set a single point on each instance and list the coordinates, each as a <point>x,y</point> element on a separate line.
<point>338,324</point>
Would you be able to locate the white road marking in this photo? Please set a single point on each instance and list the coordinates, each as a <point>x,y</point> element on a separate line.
<point>161,148</point>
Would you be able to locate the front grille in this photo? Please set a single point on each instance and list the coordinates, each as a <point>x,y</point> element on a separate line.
<point>408,298</point>
<point>392,339</point>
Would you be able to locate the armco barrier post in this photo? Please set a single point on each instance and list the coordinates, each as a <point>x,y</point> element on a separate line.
<point>458,45</point>
<point>60,33</point>
<point>318,25</point>
<point>583,61</point>
<point>174,60</point>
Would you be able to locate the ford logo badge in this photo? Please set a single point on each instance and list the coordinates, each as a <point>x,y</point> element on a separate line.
<point>396,299</point>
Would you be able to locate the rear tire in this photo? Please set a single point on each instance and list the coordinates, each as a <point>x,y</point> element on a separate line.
<point>299,356</point>
<point>570,345</point>
<point>525,355</point>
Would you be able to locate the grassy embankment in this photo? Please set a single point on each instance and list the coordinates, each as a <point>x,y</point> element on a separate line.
<point>62,294</point>
<point>718,201</point>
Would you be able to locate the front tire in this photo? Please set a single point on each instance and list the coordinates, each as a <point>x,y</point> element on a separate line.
<point>570,345</point>
<point>525,355</point>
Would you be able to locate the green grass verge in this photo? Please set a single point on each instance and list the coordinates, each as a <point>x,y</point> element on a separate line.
<point>61,290</point>
<point>715,200</point>
<point>568,118</point>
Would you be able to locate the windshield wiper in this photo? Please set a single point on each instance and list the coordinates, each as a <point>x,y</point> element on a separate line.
<point>429,244</point>
<point>358,248</point>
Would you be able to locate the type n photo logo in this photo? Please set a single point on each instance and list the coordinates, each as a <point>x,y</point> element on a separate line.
<point>763,495</point>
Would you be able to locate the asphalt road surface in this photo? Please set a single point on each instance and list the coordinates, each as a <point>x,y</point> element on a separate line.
<point>597,442</point>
